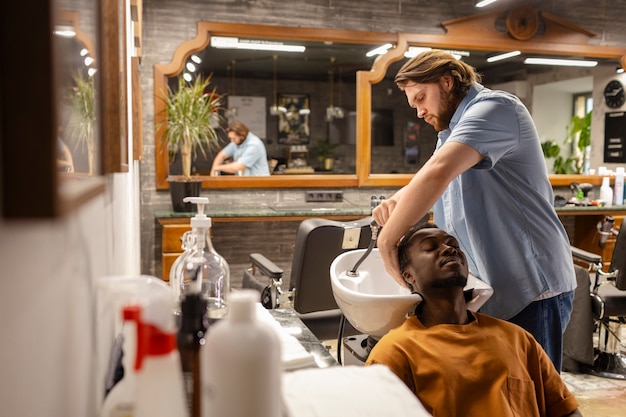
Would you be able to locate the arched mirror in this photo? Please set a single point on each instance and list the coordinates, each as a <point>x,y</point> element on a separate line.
<point>294,101</point>
<point>480,36</point>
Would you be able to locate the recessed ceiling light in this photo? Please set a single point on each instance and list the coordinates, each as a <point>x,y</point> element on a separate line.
<point>500,57</point>
<point>560,62</point>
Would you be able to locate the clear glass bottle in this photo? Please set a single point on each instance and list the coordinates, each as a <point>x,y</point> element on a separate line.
<point>176,271</point>
<point>205,267</point>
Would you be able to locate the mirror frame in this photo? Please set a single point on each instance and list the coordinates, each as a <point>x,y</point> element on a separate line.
<point>204,33</point>
<point>476,32</point>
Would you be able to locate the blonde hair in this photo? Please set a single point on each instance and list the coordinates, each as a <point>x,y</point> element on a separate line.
<point>430,66</point>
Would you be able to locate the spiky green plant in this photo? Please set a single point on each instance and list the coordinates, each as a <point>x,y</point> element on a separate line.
<point>82,120</point>
<point>192,120</point>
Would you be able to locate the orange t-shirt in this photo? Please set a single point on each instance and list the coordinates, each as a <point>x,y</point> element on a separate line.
<point>486,367</point>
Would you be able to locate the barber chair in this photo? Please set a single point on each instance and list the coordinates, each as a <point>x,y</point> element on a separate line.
<point>608,303</point>
<point>318,242</point>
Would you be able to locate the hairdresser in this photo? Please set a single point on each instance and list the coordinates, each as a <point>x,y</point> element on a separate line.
<point>488,185</point>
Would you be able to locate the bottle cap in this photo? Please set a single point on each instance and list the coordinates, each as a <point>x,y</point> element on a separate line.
<point>243,305</point>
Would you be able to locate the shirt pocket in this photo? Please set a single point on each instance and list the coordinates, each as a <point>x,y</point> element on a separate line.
<point>522,397</point>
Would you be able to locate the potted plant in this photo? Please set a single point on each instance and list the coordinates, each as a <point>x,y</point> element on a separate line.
<point>192,125</point>
<point>578,136</point>
<point>324,151</point>
<point>82,118</point>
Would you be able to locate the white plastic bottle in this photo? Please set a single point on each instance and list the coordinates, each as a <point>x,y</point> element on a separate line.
<point>618,192</point>
<point>205,266</point>
<point>606,192</point>
<point>241,370</point>
<point>159,390</point>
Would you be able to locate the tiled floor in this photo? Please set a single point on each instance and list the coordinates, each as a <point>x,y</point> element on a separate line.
<point>598,397</point>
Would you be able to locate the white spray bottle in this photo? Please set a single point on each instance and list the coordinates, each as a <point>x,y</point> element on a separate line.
<point>159,389</point>
<point>204,265</point>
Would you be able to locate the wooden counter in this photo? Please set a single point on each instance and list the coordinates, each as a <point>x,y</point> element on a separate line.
<point>583,233</point>
<point>174,225</point>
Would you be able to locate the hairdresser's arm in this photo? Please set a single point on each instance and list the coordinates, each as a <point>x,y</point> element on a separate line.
<point>413,201</point>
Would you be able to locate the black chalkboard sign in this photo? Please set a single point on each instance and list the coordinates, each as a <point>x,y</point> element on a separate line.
<point>615,137</point>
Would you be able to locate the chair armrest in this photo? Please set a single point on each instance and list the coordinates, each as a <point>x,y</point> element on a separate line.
<point>585,256</point>
<point>266,267</point>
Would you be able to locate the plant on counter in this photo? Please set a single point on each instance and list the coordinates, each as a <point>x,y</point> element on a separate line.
<point>324,153</point>
<point>193,121</point>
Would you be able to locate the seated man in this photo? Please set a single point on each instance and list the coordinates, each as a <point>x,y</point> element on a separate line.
<point>246,150</point>
<point>460,363</point>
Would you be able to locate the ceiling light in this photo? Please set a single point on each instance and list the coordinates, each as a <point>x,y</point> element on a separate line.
<point>91,72</point>
<point>503,56</point>
<point>88,61</point>
<point>191,67</point>
<point>195,58</point>
<point>381,50</point>
<point>560,62</point>
<point>84,52</point>
<point>229,42</point>
<point>484,3</point>
<point>64,31</point>
<point>415,50</point>
<point>619,70</point>
<point>187,77</point>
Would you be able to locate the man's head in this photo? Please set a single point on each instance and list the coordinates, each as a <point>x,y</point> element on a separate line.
<point>434,83</point>
<point>431,258</point>
<point>237,132</point>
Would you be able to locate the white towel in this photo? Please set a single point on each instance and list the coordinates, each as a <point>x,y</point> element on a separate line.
<point>349,391</point>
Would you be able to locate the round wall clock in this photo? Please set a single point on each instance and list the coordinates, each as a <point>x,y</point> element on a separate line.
<point>614,94</point>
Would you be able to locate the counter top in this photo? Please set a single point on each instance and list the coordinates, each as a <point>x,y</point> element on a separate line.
<point>278,210</point>
<point>342,209</point>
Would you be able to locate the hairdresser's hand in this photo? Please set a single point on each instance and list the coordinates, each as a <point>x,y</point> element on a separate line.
<point>388,250</point>
<point>383,211</point>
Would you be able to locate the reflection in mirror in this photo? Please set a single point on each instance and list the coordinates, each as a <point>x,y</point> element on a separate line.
<point>560,39</point>
<point>77,132</point>
<point>292,97</point>
<point>268,89</point>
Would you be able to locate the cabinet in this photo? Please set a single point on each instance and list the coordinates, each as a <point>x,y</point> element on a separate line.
<point>237,237</point>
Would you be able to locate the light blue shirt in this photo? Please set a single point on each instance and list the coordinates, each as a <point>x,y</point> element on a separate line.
<point>251,153</point>
<point>501,210</point>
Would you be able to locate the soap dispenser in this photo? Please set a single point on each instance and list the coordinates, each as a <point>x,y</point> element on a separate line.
<point>204,266</point>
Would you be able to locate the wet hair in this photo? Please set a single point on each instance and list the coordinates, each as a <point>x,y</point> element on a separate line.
<point>238,128</point>
<point>428,67</point>
<point>403,246</point>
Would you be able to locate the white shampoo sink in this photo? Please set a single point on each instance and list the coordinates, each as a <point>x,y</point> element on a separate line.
<point>373,302</point>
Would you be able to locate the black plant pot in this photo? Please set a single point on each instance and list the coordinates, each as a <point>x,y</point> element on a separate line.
<point>180,189</point>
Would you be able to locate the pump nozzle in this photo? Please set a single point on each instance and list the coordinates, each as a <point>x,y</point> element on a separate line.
<point>199,201</point>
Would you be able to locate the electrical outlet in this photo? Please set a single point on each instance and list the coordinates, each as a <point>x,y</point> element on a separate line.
<point>326,196</point>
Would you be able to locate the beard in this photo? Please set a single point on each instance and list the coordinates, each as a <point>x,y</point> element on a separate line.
<point>446,110</point>
<point>458,280</point>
